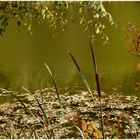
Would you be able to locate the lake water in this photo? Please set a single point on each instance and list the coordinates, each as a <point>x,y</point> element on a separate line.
<point>23,55</point>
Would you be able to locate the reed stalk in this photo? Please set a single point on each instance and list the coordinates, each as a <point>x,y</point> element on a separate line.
<point>25,107</point>
<point>61,113</point>
<point>55,85</point>
<point>47,122</point>
<point>98,87</point>
<point>82,75</point>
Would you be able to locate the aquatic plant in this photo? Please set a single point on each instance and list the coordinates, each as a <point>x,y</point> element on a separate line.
<point>98,86</point>
<point>61,113</point>
<point>87,85</point>
<point>57,91</point>
<point>81,74</point>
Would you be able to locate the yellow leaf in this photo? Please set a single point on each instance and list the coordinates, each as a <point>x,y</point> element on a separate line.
<point>90,131</point>
<point>37,8</point>
<point>46,8</point>
<point>85,135</point>
<point>99,133</point>
<point>92,125</point>
<point>84,125</point>
<point>95,135</point>
<point>97,30</point>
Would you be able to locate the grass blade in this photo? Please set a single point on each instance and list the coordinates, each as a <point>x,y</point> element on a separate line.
<point>25,107</point>
<point>98,87</point>
<point>53,80</point>
<point>81,74</point>
<point>25,89</point>
<point>44,114</point>
<point>58,95</point>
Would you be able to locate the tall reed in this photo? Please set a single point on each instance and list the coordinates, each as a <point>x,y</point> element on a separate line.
<point>57,91</point>
<point>61,113</point>
<point>87,85</point>
<point>98,86</point>
<point>82,75</point>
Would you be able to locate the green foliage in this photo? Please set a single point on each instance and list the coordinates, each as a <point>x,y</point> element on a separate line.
<point>91,15</point>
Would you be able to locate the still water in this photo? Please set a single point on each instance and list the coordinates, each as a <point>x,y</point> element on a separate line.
<point>23,55</point>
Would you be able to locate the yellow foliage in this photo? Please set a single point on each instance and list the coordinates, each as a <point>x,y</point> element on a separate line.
<point>91,130</point>
<point>95,135</point>
<point>84,126</point>
<point>99,133</point>
<point>37,8</point>
<point>92,125</point>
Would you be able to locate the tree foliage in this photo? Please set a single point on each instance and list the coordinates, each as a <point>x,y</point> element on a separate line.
<point>91,15</point>
<point>132,37</point>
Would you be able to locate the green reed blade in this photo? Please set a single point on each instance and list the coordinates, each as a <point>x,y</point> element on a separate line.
<point>95,71</point>
<point>98,86</point>
<point>81,74</point>
<point>25,107</point>
<point>25,89</point>
<point>44,114</point>
<point>39,105</point>
<point>57,93</point>
<point>93,58</point>
<point>53,80</point>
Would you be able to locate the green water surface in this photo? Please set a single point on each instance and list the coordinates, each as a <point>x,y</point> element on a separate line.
<point>22,55</point>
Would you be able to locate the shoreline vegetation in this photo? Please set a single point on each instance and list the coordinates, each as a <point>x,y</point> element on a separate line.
<point>38,115</point>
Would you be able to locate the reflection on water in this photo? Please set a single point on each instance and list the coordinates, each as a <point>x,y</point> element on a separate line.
<point>23,55</point>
